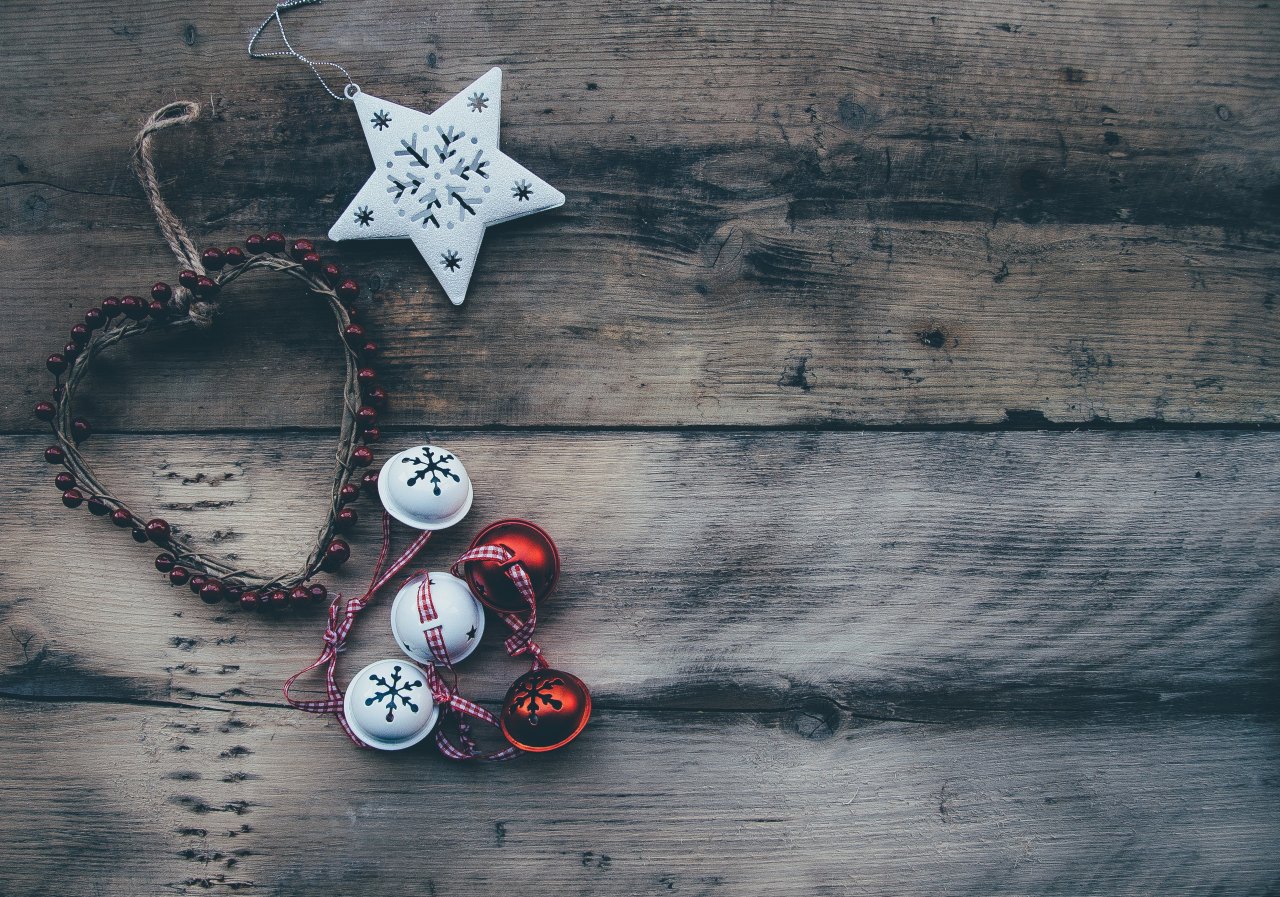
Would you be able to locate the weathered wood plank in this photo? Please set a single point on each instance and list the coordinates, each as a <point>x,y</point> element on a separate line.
<point>148,800</point>
<point>779,214</point>
<point>917,576</point>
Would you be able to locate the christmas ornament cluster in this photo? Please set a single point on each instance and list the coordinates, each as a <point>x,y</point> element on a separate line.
<point>438,619</point>
<point>440,180</point>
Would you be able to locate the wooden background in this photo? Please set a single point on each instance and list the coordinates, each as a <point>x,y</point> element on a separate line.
<point>899,380</point>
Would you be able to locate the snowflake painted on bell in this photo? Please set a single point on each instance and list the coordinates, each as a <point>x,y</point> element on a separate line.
<point>393,690</point>
<point>440,180</point>
<point>432,466</point>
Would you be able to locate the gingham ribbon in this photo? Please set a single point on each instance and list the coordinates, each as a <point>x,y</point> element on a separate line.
<point>446,695</point>
<point>342,616</point>
<point>522,627</point>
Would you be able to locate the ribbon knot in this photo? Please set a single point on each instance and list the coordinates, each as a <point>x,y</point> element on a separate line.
<point>342,616</point>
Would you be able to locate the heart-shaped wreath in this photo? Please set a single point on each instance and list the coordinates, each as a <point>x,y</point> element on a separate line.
<point>193,303</point>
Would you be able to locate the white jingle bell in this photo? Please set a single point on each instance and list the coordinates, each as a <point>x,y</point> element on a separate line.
<point>459,617</point>
<point>425,487</point>
<point>389,705</point>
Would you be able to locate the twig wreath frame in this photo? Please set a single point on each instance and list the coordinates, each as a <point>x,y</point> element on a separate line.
<point>194,303</point>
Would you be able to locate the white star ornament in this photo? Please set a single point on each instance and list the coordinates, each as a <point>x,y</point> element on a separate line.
<point>440,180</point>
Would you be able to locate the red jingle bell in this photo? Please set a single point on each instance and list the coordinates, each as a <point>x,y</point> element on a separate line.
<point>545,710</point>
<point>531,547</point>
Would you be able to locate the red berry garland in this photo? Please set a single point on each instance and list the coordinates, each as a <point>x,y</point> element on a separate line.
<point>216,579</point>
<point>193,303</point>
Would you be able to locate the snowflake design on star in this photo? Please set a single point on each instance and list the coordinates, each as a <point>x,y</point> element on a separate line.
<point>536,691</point>
<point>393,690</point>
<point>364,217</point>
<point>432,466</point>
<point>441,179</point>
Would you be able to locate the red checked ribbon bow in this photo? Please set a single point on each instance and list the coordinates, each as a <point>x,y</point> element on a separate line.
<point>521,639</point>
<point>342,616</point>
<point>446,695</point>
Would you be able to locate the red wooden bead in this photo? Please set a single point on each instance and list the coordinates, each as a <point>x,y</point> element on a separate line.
<point>354,333</point>
<point>206,288</point>
<point>212,592</point>
<point>370,483</point>
<point>235,257</point>
<point>70,351</point>
<point>54,454</point>
<point>274,242</point>
<point>94,318</point>
<point>299,596</point>
<point>367,415</point>
<point>165,562</point>
<point>377,397</point>
<point>348,493</point>
<point>80,430</point>
<point>79,334</point>
<point>56,363</point>
<point>367,376</point>
<point>121,518</point>
<point>197,583</point>
<point>45,410</point>
<point>369,349</point>
<point>188,278</point>
<point>111,307</point>
<point>157,309</point>
<point>212,259</point>
<point>179,575</point>
<point>133,307</point>
<point>331,272</point>
<point>64,481</point>
<point>278,599</point>
<point>346,519</point>
<point>97,507</point>
<point>371,434</point>
<point>336,553</point>
<point>250,600</point>
<point>348,289</point>
<point>254,243</point>
<point>158,530</point>
<point>161,291</point>
<point>362,457</point>
<point>139,535</point>
<point>319,594</point>
<point>311,261</point>
<point>301,248</point>
<point>73,498</point>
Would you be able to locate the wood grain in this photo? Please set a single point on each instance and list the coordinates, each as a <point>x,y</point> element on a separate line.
<point>153,800</point>
<point>847,632</point>
<point>796,214</point>
<point>917,576</point>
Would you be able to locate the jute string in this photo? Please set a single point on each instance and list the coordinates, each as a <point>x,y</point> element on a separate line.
<point>188,310</point>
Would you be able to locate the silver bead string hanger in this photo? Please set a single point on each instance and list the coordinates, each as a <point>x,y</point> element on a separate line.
<point>348,93</point>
